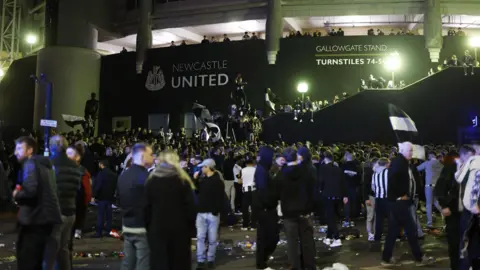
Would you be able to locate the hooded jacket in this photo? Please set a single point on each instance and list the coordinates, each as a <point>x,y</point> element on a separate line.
<point>37,197</point>
<point>468,177</point>
<point>295,185</point>
<point>311,169</point>
<point>265,199</point>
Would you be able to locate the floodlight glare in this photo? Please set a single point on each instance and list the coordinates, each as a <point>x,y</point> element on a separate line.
<point>475,42</point>
<point>302,87</point>
<point>31,39</point>
<point>392,63</point>
<point>2,73</point>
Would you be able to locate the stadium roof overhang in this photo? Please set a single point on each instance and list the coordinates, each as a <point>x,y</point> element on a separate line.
<point>352,25</point>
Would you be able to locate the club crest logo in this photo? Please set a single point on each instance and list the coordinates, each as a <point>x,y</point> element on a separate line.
<point>155,79</point>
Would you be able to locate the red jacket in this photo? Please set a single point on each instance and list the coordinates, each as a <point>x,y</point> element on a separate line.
<point>87,187</point>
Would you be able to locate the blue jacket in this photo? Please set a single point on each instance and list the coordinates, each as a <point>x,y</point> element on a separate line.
<point>266,190</point>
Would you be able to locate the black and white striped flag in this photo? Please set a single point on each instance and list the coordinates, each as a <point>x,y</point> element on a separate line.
<point>405,130</point>
<point>203,115</point>
<point>73,120</point>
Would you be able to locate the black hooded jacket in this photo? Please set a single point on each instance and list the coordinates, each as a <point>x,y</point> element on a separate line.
<point>265,199</point>
<point>311,169</point>
<point>295,185</point>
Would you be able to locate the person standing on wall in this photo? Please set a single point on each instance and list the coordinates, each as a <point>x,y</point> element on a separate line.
<point>132,201</point>
<point>104,193</point>
<point>39,209</point>
<point>68,177</point>
<point>266,203</point>
<point>400,195</point>
<point>91,114</point>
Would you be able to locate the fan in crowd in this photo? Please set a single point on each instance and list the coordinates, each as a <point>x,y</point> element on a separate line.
<point>263,178</point>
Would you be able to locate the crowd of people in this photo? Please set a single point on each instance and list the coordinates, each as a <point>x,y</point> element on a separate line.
<point>197,184</point>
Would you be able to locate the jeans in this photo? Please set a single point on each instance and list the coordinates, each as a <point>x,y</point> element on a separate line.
<point>295,230</point>
<point>230,191</point>
<point>207,224</point>
<point>413,211</point>
<point>371,215</point>
<point>136,251</point>
<point>401,216</point>
<point>104,215</point>
<point>58,250</point>
<point>430,201</point>
<point>31,244</point>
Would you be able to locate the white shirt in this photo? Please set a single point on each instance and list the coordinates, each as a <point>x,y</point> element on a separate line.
<point>248,174</point>
<point>236,171</point>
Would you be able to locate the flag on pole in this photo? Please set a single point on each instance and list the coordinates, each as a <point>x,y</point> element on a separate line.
<point>405,130</point>
<point>203,115</point>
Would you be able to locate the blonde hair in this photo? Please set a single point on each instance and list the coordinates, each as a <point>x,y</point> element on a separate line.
<point>171,158</point>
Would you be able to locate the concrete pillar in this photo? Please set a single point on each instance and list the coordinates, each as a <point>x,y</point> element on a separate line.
<point>433,29</point>
<point>144,35</point>
<point>274,29</point>
<point>71,64</point>
<point>75,73</point>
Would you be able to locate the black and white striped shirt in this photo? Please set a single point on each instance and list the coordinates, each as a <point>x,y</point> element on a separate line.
<point>380,184</point>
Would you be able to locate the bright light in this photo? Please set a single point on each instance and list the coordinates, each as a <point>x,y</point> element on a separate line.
<point>475,42</point>
<point>393,62</point>
<point>2,73</point>
<point>250,26</point>
<point>31,39</point>
<point>302,87</point>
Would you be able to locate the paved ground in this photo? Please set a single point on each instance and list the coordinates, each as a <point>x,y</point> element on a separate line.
<point>355,253</point>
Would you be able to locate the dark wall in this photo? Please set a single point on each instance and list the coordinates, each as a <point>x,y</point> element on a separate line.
<point>17,95</point>
<point>173,72</point>
<point>455,46</point>
<point>312,60</point>
<point>440,105</point>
